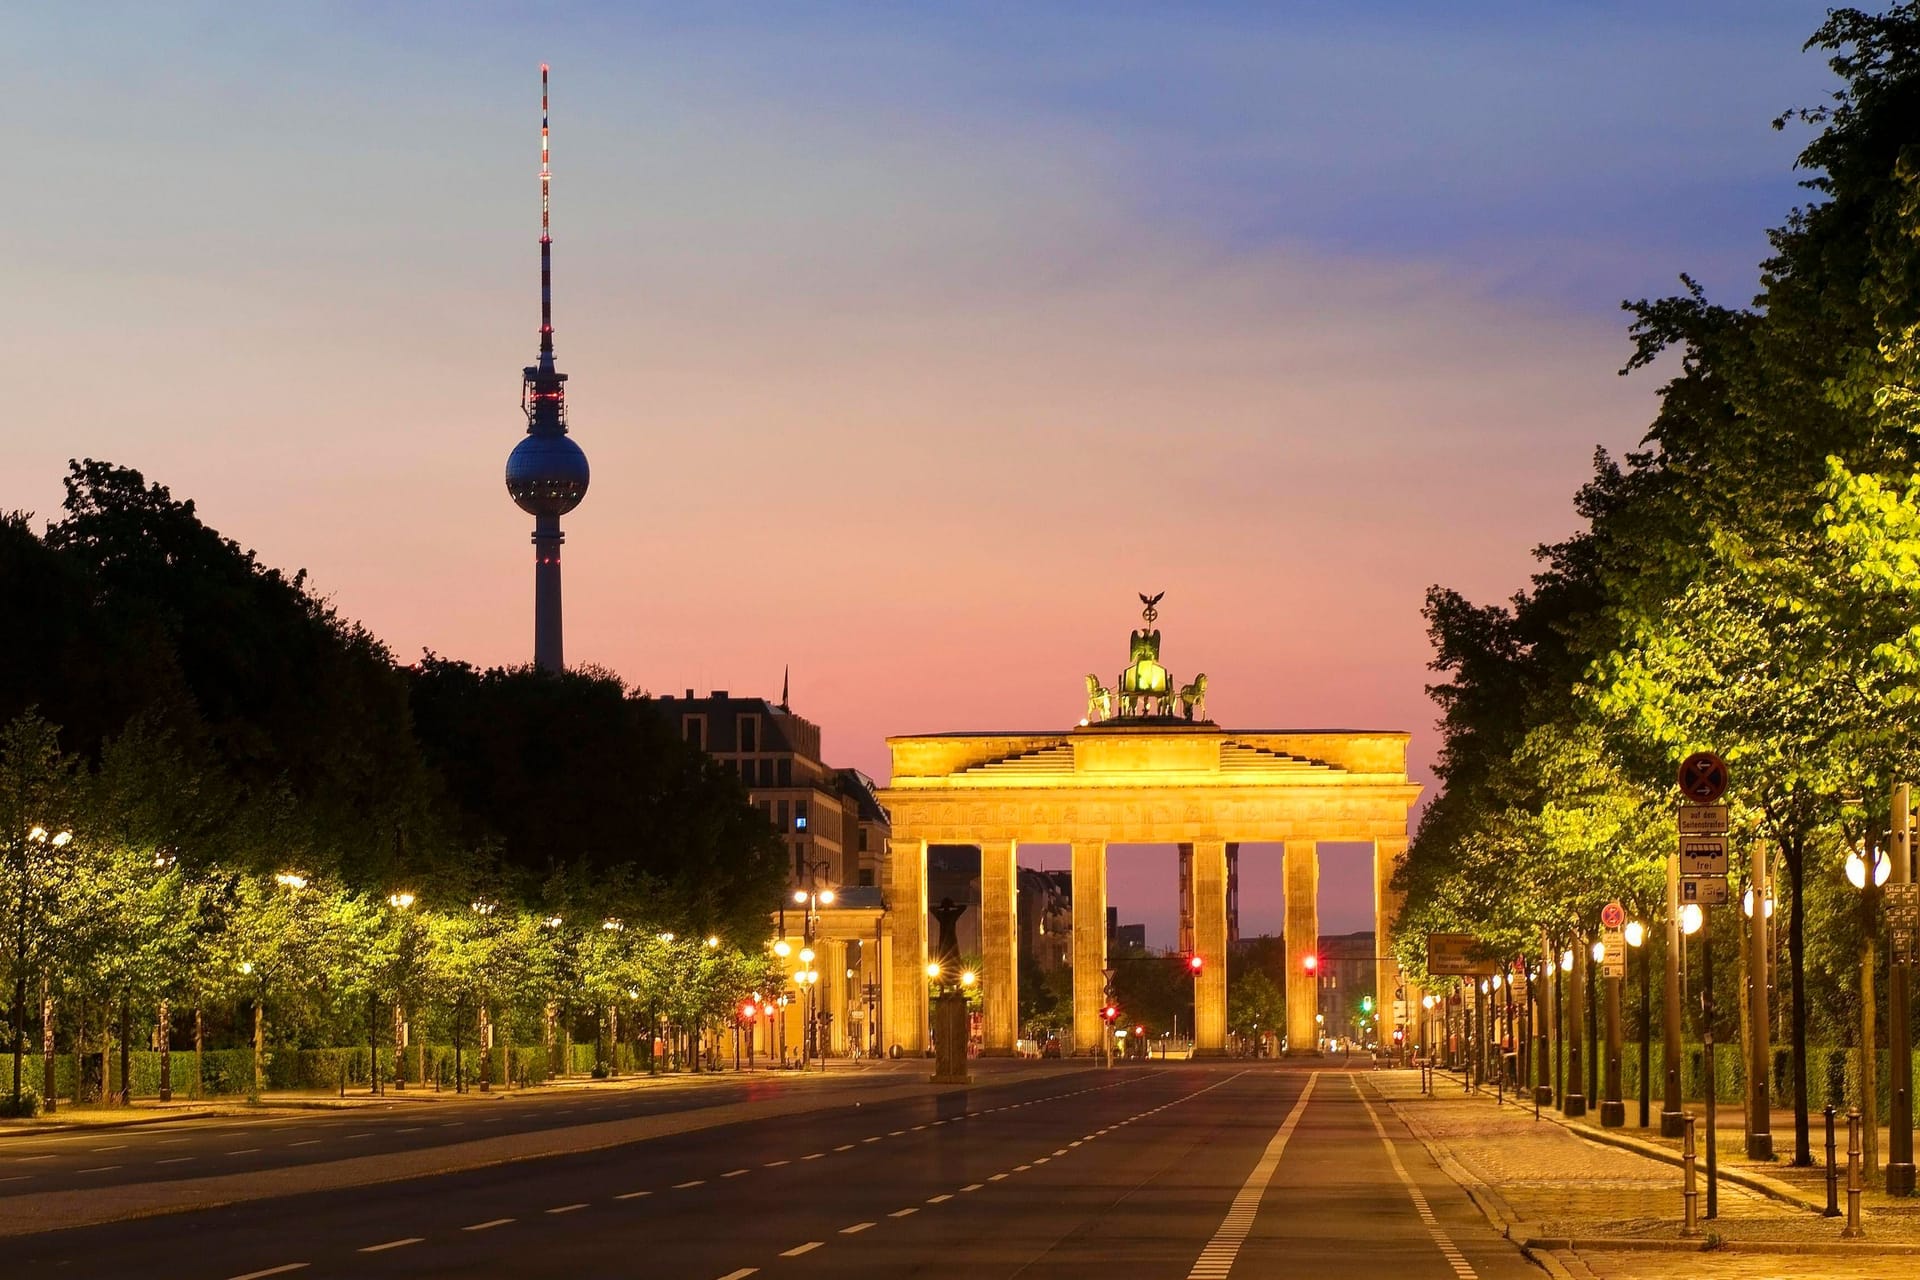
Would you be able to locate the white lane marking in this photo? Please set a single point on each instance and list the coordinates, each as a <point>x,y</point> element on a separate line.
<point>567,1208</point>
<point>392,1244</point>
<point>488,1225</point>
<point>1461,1267</point>
<point>808,1247</point>
<point>175,1160</point>
<point>245,1151</point>
<point>1216,1260</point>
<point>973,1186</point>
<point>855,1229</point>
<point>998,1177</point>
<point>360,1135</point>
<point>102,1168</point>
<point>49,1156</point>
<point>633,1195</point>
<point>1021,1168</point>
<point>873,1139</point>
<point>939,1199</point>
<point>121,1147</point>
<point>844,1147</point>
<point>775,1164</point>
<point>815,1156</point>
<point>741,1274</point>
<point>22,1177</point>
<point>695,1182</point>
<point>411,1129</point>
<point>733,1173</point>
<point>271,1271</point>
<point>896,1133</point>
<point>306,1142</point>
<point>905,1213</point>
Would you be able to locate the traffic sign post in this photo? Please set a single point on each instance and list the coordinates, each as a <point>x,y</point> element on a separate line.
<point>1613,968</point>
<point>1703,855</point>
<point>1704,891</point>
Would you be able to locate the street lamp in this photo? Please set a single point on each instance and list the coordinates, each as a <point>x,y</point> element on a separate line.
<point>812,896</point>
<point>401,903</point>
<point>1636,935</point>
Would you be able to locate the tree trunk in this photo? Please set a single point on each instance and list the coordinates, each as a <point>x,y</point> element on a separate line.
<point>259,1047</point>
<point>486,1048</point>
<point>126,1047</point>
<point>1797,954</point>
<point>199,1053</point>
<point>48,1072</point>
<point>165,1031</point>
<point>106,1055</point>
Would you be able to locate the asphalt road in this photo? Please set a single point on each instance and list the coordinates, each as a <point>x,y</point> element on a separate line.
<point>1190,1171</point>
<point>197,1148</point>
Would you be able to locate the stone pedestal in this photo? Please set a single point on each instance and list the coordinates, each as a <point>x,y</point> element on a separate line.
<point>950,1039</point>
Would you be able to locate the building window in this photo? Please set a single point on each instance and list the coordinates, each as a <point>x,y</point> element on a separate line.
<point>800,815</point>
<point>866,879</point>
<point>694,730</point>
<point>786,771</point>
<point>747,728</point>
<point>781,811</point>
<point>863,839</point>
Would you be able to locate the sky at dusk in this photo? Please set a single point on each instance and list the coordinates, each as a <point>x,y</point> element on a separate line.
<point>907,343</point>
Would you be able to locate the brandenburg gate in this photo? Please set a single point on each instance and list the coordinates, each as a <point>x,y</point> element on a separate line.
<point>1146,766</point>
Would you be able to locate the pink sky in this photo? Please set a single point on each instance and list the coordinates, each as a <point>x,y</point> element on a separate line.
<point>912,397</point>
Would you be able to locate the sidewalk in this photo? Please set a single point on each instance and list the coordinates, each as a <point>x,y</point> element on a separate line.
<point>1592,1204</point>
<point>146,1111</point>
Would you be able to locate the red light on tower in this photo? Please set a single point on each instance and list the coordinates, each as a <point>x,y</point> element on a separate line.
<point>1195,963</point>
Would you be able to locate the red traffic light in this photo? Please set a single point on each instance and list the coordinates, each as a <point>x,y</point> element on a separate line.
<point>1195,963</point>
<point>747,1010</point>
<point>1110,1013</point>
<point>1310,962</point>
<point>1140,1031</point>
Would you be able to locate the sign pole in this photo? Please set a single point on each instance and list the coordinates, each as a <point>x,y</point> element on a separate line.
<point>1613,1109</point>
<point>1673,1120</point>
<point>1706,1040</point>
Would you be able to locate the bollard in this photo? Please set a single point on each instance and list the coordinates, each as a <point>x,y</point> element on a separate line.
<point>1833,1171</point>
<point>1690,1225</point>
<point>1853,1230</point>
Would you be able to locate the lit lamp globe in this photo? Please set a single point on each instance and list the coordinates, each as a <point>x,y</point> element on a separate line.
<point>1857,870</point>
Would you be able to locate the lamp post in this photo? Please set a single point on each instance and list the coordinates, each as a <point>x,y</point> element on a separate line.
<point>812,897</point>
<point>1673,1120</point>
<point>1760,1063</point>
<point>24,859</point>
<point>1900,1169</point>
<point>1636,935</point>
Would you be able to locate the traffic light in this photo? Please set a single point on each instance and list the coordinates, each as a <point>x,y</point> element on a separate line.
<point>1310,962</point>
<point>1140,1031</point>
<point>1194,963</point>
<point>1111,1013</point>
<point>1366,1004</point>
<point>747,1010</point>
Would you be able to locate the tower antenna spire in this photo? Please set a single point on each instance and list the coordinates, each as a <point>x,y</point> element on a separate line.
<point>546,231</point>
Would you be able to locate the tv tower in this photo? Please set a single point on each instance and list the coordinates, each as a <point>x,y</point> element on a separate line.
<point>546,472</point>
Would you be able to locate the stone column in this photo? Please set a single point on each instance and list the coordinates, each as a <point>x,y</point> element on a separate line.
<point>1210,944</point>
<point>1300,868</point>
<point>1388,854</point>
<point>1089,942</point>
<point>999,948</point>
<point>833,994</point>
<point>906,1009</point>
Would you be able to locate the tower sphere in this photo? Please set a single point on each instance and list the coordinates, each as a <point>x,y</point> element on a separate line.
<point>547,475</point>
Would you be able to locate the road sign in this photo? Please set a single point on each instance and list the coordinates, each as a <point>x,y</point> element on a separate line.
<point>1706,891</point>
<point>1903,919</point>
<point>1703,856</point>
<point>1613,955</point>
<point>1702,819</point>
<point>1613,915</point>
<point>1703,777</point>
<point>1456,955</point>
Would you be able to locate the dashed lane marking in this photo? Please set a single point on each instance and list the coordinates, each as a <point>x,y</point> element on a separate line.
<point>775,1164</point>
<point>844,1147</point>
<point>905,1213</point>
<point>875,1138</point>
<point>634,1195</point>
<point>818,1155</point>
<point>733,1173</point>
<point>121,1147</point>
<point>696,1182</point>
<point>741,1274</point>
<point>855,1229</point>
<point>940,1199</point>
<point>245,1151</point>
<point>305,1143</point>
<point>488,1225</point>
<point>271,1271</point>
<point>998,1177</point>
<point>1216,1260</point>
<point>567,1208</point>
<point>175,1160</point>
<point>393,1244</point>
<point>973,1186</point>
<point>808,1247</point>
<point>102,1168</point>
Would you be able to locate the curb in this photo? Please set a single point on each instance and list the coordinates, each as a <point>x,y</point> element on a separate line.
<point>1805,1248</point>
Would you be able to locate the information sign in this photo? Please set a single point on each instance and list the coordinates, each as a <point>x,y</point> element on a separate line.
<point>1457,955</point>
<point>1705,891</point>
<point>1703,856</point>
<point>1613,955</point>
<point>1702,819</point>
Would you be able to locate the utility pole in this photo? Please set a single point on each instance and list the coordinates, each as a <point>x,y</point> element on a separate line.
<point>1900,1118</point>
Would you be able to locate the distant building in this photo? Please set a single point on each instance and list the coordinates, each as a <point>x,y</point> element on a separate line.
<point>1128,940</point>
<point>1347,968</point>
<point>835,835</point>
<point>823,814</point>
